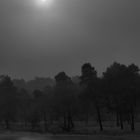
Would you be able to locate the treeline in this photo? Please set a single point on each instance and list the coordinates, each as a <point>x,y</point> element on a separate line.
<point>114,96</point>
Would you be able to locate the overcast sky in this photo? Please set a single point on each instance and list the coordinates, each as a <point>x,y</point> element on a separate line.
<point>42,40</point>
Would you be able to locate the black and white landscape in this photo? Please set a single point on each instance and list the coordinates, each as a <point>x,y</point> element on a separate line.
<point>69,69</point>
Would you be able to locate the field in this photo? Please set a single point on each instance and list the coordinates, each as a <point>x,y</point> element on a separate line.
<point>35,137</point>
<point>100,136</point>
<point>85,132</point>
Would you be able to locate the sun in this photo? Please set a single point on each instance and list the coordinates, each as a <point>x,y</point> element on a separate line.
<point>45,2</point>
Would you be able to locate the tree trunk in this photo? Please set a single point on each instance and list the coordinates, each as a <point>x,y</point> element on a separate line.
<point>45,122</point>
<point>25,124</point>
<point>7,124</point>
<point>121,121</point>
<point>70,122</point>
<point>117,119</point>
<point>87,117</point>
<point>32,125</point>
<point>99,118</point>
<point>132,120</point>
<point>65,122</point>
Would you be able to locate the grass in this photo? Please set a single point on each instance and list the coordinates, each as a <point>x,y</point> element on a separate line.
<point>81,132</point>
<point>17,137</point>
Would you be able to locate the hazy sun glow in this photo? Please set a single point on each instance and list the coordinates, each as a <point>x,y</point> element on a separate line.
<point>45,2</point>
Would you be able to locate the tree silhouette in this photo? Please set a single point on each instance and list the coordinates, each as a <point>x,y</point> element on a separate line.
<point>24,101</point>
<point>121,84</point>
<point>8,98</point>
<point>65,99</point>
<point>90,83</point>
<point>58,105</point>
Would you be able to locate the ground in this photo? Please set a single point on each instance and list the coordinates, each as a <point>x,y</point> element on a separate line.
<point>29,136</point>
<point>110,133</point>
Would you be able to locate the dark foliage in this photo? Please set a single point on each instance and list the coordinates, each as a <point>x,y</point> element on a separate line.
<point>45,105</point>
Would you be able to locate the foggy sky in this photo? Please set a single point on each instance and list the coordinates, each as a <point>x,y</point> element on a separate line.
<point>42,41</point>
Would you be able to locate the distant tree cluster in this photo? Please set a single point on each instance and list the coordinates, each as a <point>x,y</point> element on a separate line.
<point>57,105</point>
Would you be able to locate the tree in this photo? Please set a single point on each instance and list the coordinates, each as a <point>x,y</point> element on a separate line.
<point>133,80</point>
<point>24,102</point>
<point>90,84</point>
<point>64,97</point>
<point>121,84</point>
<point>8,96</point>
<point>36,109</point>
